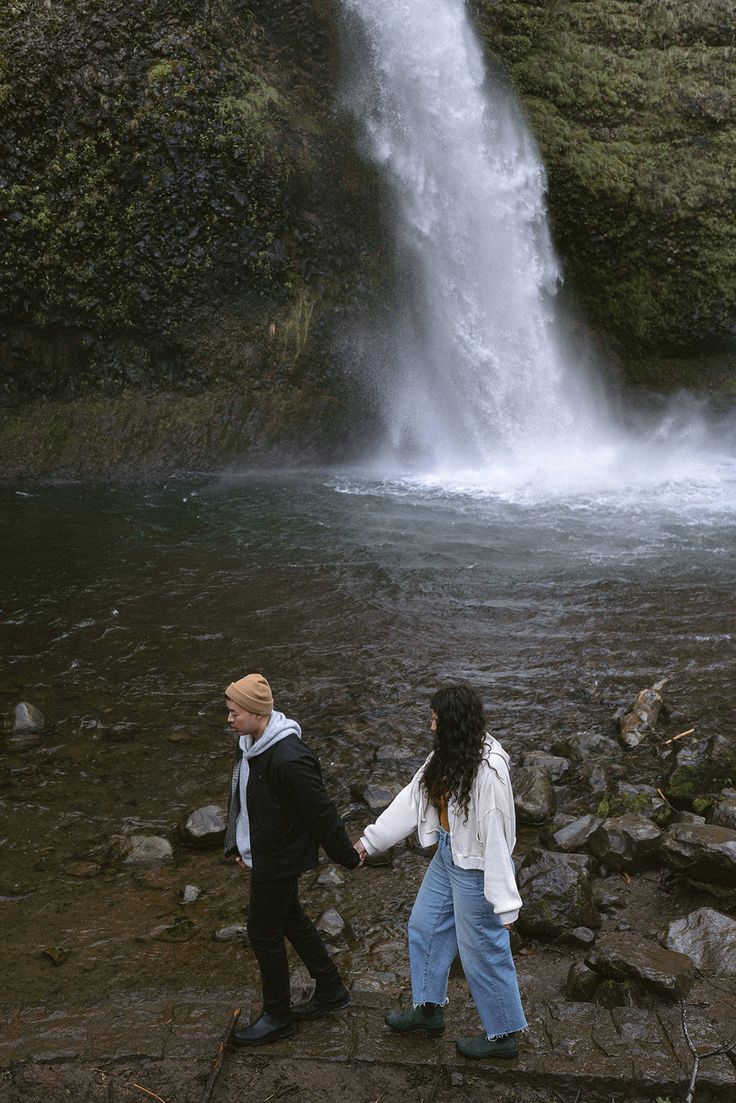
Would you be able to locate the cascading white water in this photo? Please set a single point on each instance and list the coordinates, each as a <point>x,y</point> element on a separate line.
<point>473,365</point>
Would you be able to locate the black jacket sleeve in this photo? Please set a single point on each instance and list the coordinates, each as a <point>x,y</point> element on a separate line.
<point>299,780</point>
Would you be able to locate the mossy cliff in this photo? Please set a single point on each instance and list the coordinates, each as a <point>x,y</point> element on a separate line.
<point>185,224</point>
<point>633,104</point>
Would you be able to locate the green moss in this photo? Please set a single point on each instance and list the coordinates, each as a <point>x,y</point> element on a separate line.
<point>161,71</point>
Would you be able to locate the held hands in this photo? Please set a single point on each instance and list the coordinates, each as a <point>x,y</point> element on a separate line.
<point>361,851</point>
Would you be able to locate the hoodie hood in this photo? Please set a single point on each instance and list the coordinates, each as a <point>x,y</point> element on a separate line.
<point>496,757</point>
<point>278,727</point>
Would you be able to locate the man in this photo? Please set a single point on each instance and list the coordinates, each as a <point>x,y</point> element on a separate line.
<point>279,814</point>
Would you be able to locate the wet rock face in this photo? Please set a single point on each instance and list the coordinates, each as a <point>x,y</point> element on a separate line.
<point>626,842</point>
<point>620,958</point>
<point>378,793</point>
<point>535,800</point>
<point>708,937</point>
<point>557,894</point>
<point>580,746</point>
<point>205,826</point>
<point>702,852</point>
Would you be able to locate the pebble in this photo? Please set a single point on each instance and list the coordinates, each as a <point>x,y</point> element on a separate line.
<point>191,894</point>
<point>232,933</point>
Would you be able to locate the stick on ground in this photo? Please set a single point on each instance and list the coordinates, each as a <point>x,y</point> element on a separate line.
<point>220,1056</point>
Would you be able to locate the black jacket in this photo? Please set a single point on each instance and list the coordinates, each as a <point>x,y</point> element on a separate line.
<point>290,813</point>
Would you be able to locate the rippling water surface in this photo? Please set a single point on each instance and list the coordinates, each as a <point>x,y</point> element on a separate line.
<point>357,594</point>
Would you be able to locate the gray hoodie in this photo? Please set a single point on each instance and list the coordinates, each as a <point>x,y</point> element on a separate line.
<point>277,729</point>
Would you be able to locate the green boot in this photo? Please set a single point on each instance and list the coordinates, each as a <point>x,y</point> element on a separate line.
<point>428,1017</point>
<point>505,1048</point>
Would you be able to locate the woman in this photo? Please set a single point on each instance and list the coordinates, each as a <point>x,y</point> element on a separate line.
<point>461,799</point>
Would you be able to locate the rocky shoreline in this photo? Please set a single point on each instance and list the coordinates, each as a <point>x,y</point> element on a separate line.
<point>627,869</point>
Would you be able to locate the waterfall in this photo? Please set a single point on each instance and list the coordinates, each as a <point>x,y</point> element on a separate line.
<point>472,364</point>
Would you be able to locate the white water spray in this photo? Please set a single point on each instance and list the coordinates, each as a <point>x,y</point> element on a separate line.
<point>476,380</point>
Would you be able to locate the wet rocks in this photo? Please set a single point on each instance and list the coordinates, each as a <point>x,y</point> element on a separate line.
<point>140,849</point>
<point>635,726</point>
<point>535,800</point>
<point>701,772</point>
<point>26,718</point>
<point>574,837</point>
<point>723,814</point>
<point>205,827</point>
<point>555,766</point>
<point>702,852</point>
<point>181,930</point>
<point>626,842</point>
<point>581,746</point>
<point>331,924</point>
<point>581,982</point>
<point>331,876</point>
<point>708,937</point>
<point>190,894</point>
<point>377,794</point>
<point>235,932</point>
<point>620,958</point>
<point>557,894</point>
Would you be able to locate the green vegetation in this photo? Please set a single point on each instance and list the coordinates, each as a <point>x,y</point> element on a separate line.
<point>182,209</point>
<point>634,111</point>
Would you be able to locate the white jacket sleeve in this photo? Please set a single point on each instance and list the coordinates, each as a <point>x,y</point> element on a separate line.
<point>398,821</point>
<point>499,880</point>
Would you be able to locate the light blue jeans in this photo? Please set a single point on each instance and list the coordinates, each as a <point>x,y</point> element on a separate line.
<point>451,914</point>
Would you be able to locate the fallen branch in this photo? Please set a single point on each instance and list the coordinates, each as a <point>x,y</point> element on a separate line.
<point>220,1056</point>
<point>152,1094</point>
<point>680,736</point>
<point>698,1057</point>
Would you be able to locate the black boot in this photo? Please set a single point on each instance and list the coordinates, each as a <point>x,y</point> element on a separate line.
<point>326,999</point>
<point>266,1028</point>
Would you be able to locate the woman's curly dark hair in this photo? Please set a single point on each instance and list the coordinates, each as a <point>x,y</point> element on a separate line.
<point>458,746</point>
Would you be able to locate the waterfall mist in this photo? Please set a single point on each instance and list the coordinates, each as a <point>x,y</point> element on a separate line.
<point>477,374</point>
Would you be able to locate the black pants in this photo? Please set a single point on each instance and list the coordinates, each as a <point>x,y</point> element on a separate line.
<point>274,912</point>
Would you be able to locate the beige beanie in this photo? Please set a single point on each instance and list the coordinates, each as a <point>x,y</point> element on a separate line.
<point>252,693</point>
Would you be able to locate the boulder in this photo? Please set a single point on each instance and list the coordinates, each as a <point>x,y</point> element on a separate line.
<point>702,852</point>
<point>377,794</point>
<point>723,814</point>
<point>703,768</point>
<point>557,894</point>
<point>708,937</point>
<point>205,827</point>
<point>626,842</point>
<point>621,958</point>
<point>581,982</point>
<point>635,726</point>
<point>534,795</point>
<point>573,838</point>
<point>555,766</point>
<point>583,745</point>
<point>141,849</point>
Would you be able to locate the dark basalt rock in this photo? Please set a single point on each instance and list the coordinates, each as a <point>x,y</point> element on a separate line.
<point>708,937</point>
<point>205,827</point>
<point>557,894</point>
<point>535,799</point>
<point>621,958</point>
<point>702,852</point>
<point>626,842</point>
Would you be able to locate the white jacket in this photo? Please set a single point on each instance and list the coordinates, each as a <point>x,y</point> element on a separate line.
<point>485,841</point>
